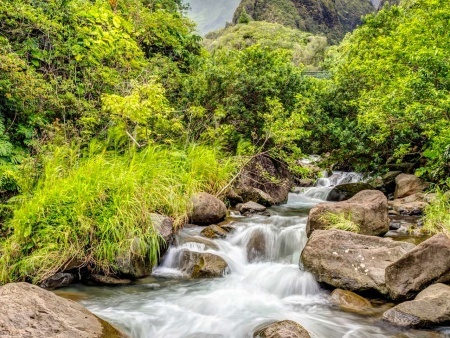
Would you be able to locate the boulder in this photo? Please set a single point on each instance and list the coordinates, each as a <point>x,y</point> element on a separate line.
<point>108,280</point>
<point>207,209</point>
<point>343,192</point>
<point>256,246</point>
<point>387,184</point>
<point>58,280</point>
<point>214,231</point>
<point>132,265</point>
<point>264,180</point>
<point>29,311</point>
<point>233,198</point>
<point>430,307</point>
<point>282,329</point>
<point>407,185</point>
<point>305,182</point>
<point>250,207</point>
<point>164,225</point>
<point>350,261</point>
<point>367,208</point>
<point>427,263</point>
<point>412,205</point>
<point>350,301</point>
<point>202,264</point>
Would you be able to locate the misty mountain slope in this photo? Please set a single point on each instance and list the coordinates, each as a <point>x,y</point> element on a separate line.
<point>211,15</point>
<point>334,18</point>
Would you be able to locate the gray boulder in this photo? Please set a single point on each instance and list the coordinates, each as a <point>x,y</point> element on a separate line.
<point>202,264</point>
<point>367,208</point>
<point>131,265</point>
<point>350,301</point>
<point>282,329</point>
<point>256,246</point>
<point>207,209</point>
<point>350,261</point>
<point>427,263</point>
<point>407,185</point>
<point>346,191</point>
<point>412,205</point>
<point>107,280</point>
<point>214,231</point>
<point>264,180</point>
<point>430,307</point>
<point>58,280</point>
<point>29,311</point>
<point>250,207</point>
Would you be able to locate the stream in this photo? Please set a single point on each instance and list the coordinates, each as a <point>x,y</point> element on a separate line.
<point>270,288</point>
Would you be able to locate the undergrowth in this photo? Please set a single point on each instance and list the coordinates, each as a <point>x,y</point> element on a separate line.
<point>339,221</point>
<point>92,207</point>
<point>437,215</point>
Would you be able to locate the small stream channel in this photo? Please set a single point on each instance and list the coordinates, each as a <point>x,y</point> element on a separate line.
<point>270,288</point>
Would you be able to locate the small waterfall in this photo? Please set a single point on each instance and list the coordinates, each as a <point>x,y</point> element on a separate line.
<point>324,185</point>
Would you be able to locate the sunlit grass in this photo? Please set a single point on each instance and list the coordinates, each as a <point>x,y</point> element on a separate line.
<point>437,215</point>
<point>91,208</point>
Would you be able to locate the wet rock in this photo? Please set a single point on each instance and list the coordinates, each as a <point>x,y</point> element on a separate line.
<point>343,192</point>
<point>305,182</point>
<point>387,184</point>
<point>420,334</point>
<point>427,263</point>
<point>227,225</point>
<point>202,264</point>
<point>251,207</point>
<point>256,246</point>
<point>164,225</point>
<point>412,205</point>
<point>282,329</point>
<point>209,244</point>
<point>108,280</point>
<point>132,265</point>
<point>207,209</point>
<point>214,231</point>
<point>29,311</point>
<point>264,180</point>
<point>350,301</point>
<point>255,194</point>
<point>350,261</point>
<point>233,198</point>
<point>430,307</point>
<point>407,185</point>
<point>58,280</point>
<point>367,208</point>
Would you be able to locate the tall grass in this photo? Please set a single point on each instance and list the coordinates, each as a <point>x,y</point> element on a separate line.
<point>437,215</point>
<point>91,207</point>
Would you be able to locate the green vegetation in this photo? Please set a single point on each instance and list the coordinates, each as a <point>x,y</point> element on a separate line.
<point>340,221</point>
<point>92,207</point>
<point>437,215</point>
<point>332,18</point>
<point>111,111</point>
<point>307,49</point>
<point>388,99</point>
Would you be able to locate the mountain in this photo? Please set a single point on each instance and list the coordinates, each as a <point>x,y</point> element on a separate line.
<point>211,15</point>
<point>334,18</point>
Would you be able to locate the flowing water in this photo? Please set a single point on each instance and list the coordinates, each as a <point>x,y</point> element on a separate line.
<point>270,288</point>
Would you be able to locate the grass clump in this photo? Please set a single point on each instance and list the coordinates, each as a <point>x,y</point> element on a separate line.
<point>94,207</point>
<point>437,215</point>
<point>339,221</point>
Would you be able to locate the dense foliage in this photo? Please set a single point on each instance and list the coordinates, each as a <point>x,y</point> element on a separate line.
<point>389,98</point>
<point>112,111</point>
